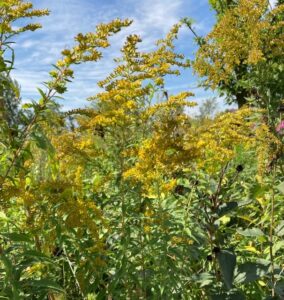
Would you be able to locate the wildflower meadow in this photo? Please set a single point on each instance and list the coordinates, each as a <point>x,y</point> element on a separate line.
<point>135,196</point>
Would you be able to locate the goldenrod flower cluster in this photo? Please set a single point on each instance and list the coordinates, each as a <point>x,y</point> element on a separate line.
<point>176,144</point>
<point>13,10</point>
<point>86,49</point>
<point>248,40</point>
<point>164,153</point>
<point>127,87</point>
<point>218,140</point>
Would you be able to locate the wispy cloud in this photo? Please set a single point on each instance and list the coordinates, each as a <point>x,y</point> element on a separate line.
<point>36,52</point>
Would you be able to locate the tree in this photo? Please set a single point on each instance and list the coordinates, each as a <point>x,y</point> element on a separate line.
<point>243,55</point>
<point>208,108</point>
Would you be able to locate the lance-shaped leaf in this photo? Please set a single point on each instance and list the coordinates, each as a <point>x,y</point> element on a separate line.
<point>227,261</point>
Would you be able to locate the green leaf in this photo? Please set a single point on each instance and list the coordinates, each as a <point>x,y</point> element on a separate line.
<point>37,255</point>
<point>232,295</point>
<point>258,190</point>
<point>41,141</point>
<point>279,289</point>
<point>227,261</point>
<point>277,246</point>
<point>42,93</point>
<point>3,66</point>
<point>250,271</point>
<point>226,208</point>
<point>47,284</point>
<point>27,106</point>
<point>3,216</point>
<point>17,237</point>
<point>204,279</point>
<point>280,187</point>
<point>252,232</point>
<point>279,230</point>
<point>10,276</point>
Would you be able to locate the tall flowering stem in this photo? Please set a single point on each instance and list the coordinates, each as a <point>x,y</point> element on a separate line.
<point>86,49</point>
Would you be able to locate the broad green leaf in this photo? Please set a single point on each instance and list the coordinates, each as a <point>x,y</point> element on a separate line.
<point>250,271</point>
<point>227,207</point>
<point>227,261</point>
<point>252,232</point>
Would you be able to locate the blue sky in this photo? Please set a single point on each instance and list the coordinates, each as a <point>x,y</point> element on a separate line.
<point>35,52</point>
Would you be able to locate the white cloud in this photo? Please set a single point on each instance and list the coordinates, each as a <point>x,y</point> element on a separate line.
<point>273,2</point>
<point>35,52</point>
<point>160,14</point>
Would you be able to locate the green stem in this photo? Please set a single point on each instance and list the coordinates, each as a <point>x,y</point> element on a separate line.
<point>271,234</point>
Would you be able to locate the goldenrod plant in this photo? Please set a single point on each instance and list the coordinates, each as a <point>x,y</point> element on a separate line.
<point>132,197</point>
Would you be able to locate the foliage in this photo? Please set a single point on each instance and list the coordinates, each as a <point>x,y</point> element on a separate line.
<point>242,56</point>
<point>208,108</point>
<point>131,198</point>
